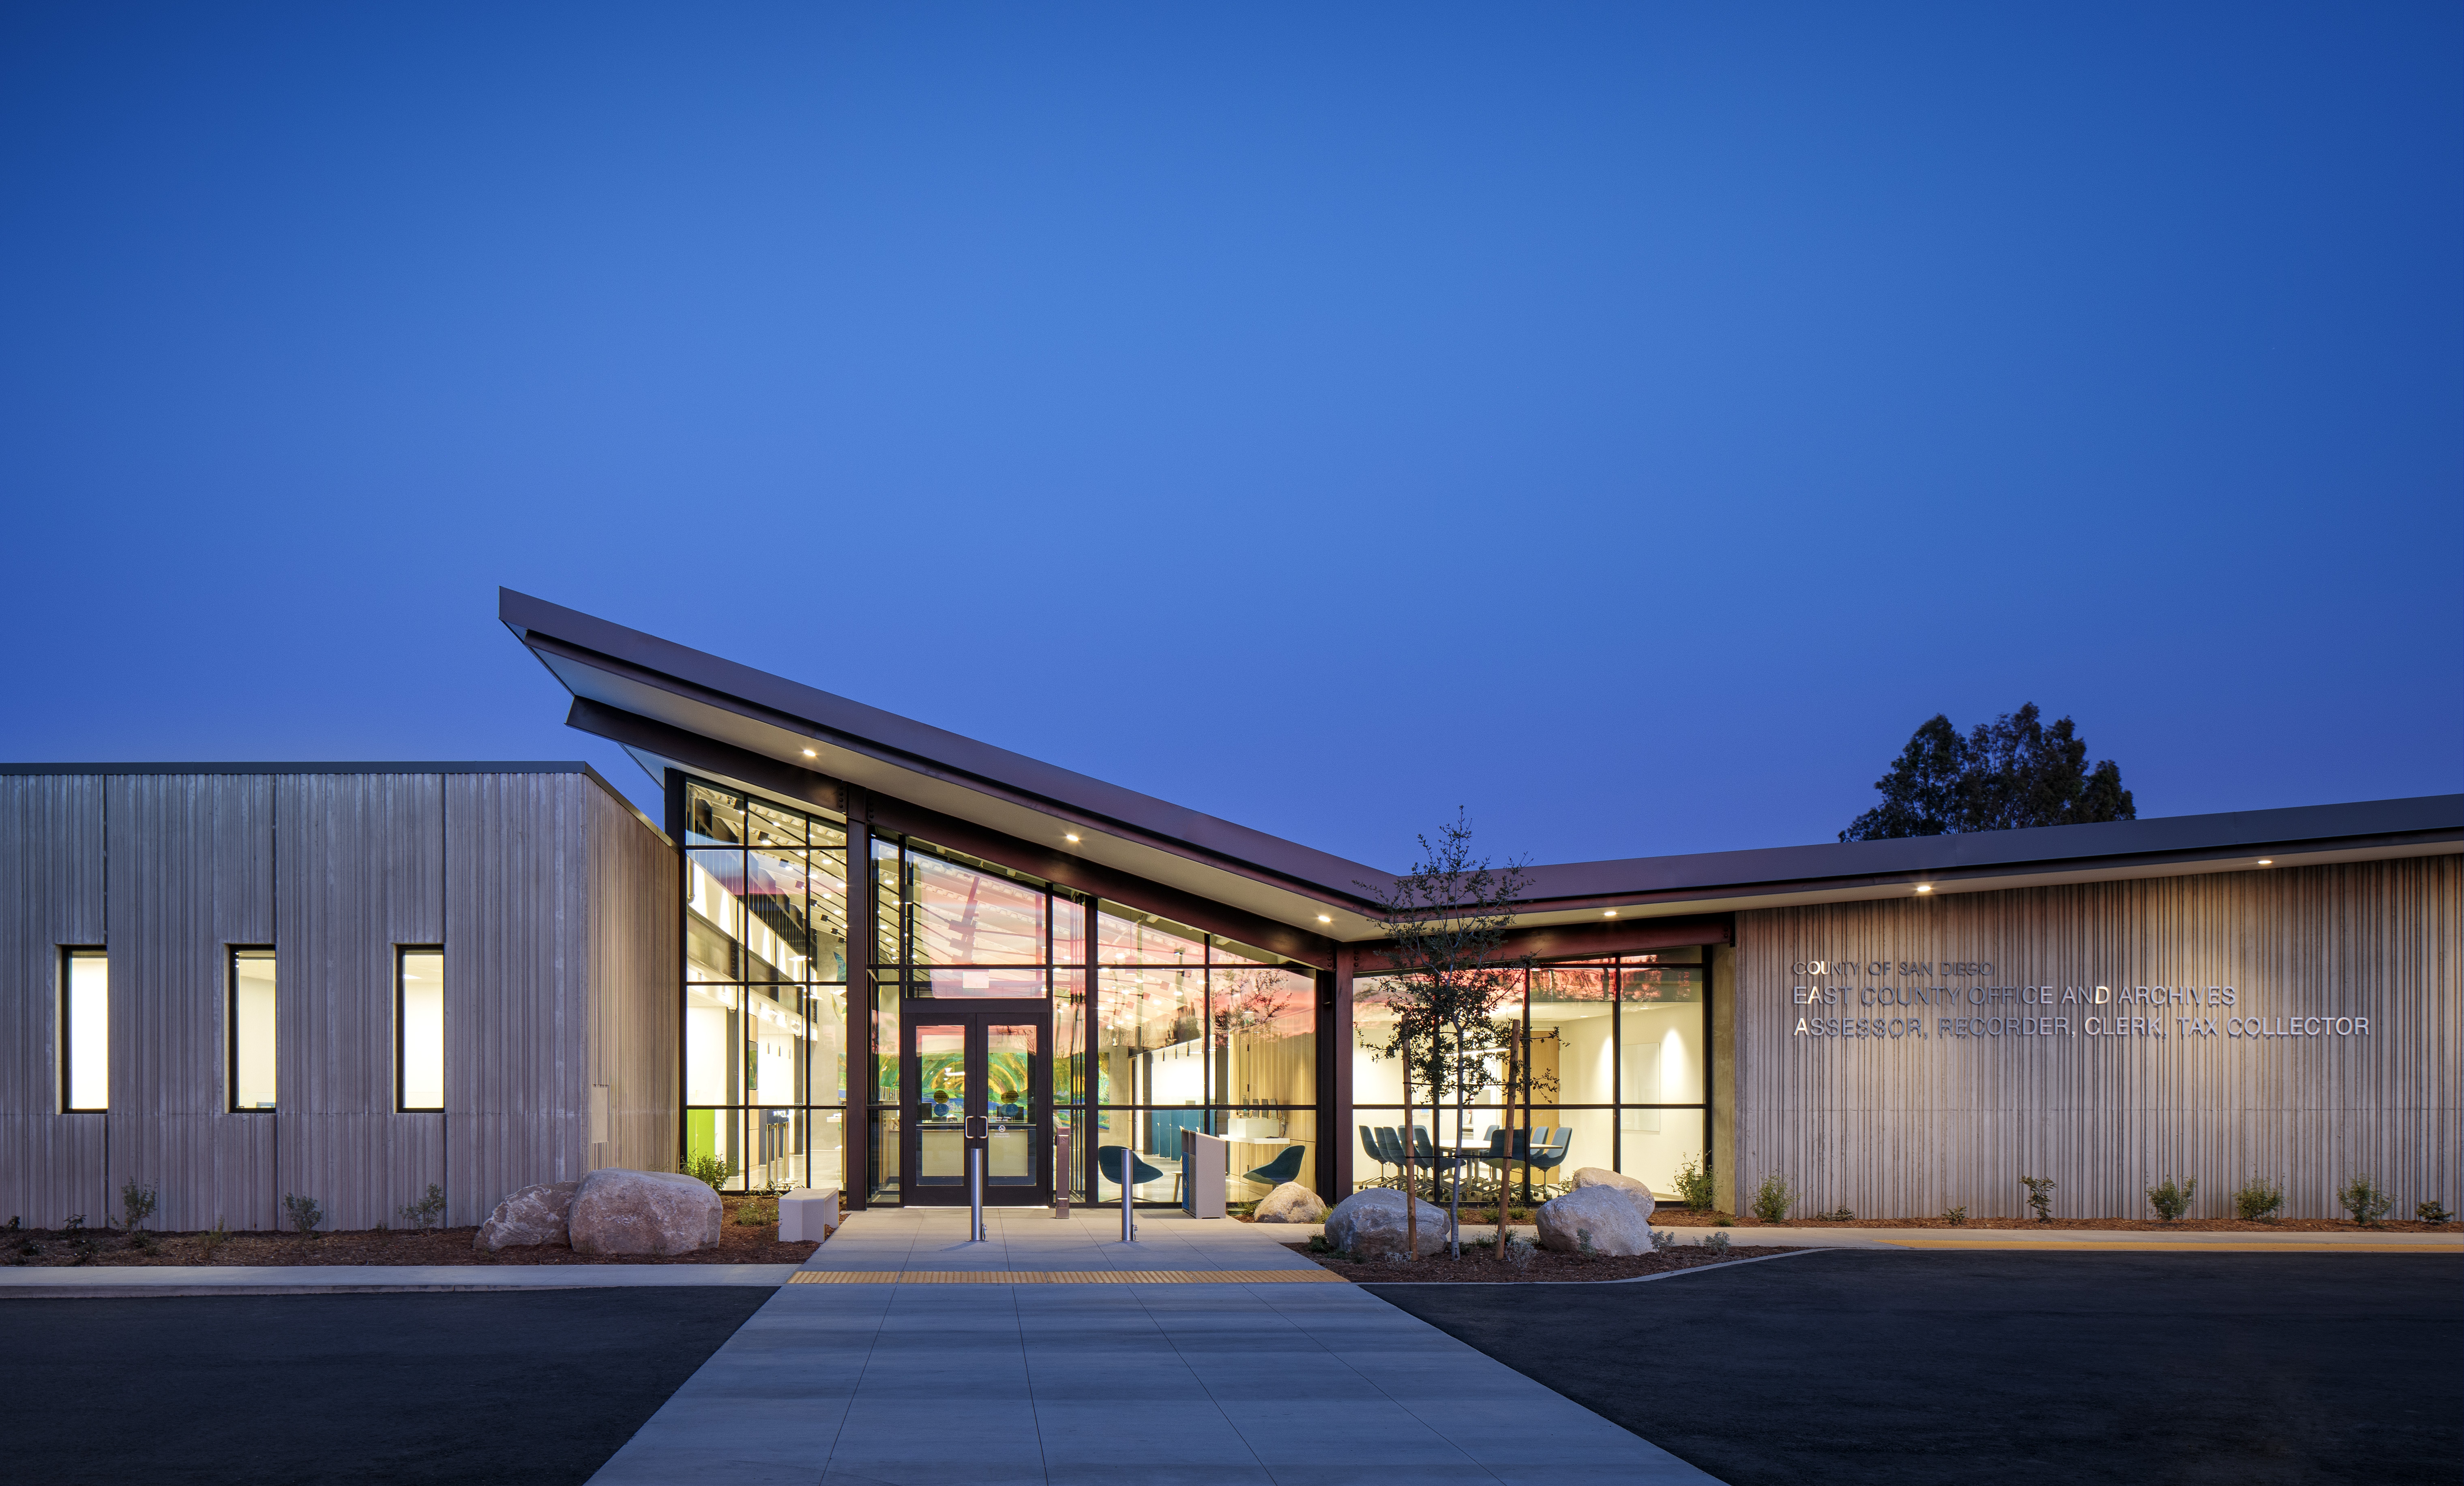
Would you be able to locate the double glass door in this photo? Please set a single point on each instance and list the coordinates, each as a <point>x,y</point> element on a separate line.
<point>979,1085</point>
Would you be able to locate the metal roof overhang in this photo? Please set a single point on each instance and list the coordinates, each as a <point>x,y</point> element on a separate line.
<point>817,738</point>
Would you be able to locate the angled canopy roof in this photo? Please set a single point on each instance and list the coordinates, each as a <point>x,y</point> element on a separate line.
<point>660,700</point>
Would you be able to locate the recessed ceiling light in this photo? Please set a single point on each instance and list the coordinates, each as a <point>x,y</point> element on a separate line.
<point>1925,887</point>
<point>810,754</point>
<point>1323,919</point>
<point>1071,839</point>
<point>1611,914</point>
<point>2267,862</point>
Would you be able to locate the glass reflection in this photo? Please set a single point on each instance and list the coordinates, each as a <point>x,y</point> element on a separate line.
<point>959,916</point>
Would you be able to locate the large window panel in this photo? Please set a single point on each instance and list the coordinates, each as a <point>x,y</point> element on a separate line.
<point>85,1029</point>
<point>961,915</point>
<point>1148,1036</point>
<point>714,916</point>
<point>825,1046</point>
<point>1660,1028</point>
<point>252,1024</point>
<point>1573,1049</point>
<point>1655,1141</point>
<point>714,1031</point>
<point>779,938</point>
<point>1264,1023</point>
<point>713,816</point>
<point>1126,937</point>
<point>420,1027</point>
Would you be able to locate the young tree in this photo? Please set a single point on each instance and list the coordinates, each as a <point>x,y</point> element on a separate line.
<point>2012,772</point>
<point>1445,922</point>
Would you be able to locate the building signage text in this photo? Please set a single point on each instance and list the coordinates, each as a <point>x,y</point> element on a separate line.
<point>1852,1005</point>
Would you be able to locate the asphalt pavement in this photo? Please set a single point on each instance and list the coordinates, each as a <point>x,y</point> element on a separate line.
<point>1919,1367</point>
<point>532,1386</point>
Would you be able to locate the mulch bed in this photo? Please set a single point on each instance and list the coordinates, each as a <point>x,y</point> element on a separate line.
<point>1686,1217</point>
<point>1481,1267</point>
<point>739,1243</point>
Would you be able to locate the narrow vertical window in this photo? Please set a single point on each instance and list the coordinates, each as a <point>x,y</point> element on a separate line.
<point>85,1029</point>
<point>252,1029</point>
<point>419,1038</point>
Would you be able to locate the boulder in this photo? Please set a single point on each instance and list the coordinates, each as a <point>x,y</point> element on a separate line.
<point>643,1213</point>
<point>1617,1182</point>
<point>1370,1226</point>
<point>533,1216</point>
<point>1598,1219</point>
<point>1292,1203</point>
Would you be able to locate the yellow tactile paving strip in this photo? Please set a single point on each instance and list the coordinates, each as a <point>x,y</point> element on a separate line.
<point>1065,1278</point>
<point>2117,1246</point>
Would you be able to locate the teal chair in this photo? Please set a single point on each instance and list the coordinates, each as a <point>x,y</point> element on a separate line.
<point>1276,1172</point>
<point>1108,1161</point>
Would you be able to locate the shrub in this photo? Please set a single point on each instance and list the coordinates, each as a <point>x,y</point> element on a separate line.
<point>136,1204</point>
<point>1773,1198</point>
<point>1662,1240</point>
<point>1717,1243</point>
<point>303,1212</point>
<point>2041,1196</point>
<point>81,1243</point>
<point>1843,1213</point>
<point>2171,1199</point>
<point>2365,1199</point>
<point>427,1213</point>
<point>714,1169</point>
<point>1955,1216</point>
<point>2257,1200</point>
<point>2433,1211</point>
<point>1694,1184</point>
<point>212,1239</point>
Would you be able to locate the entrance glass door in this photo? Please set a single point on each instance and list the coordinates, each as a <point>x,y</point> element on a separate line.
<point>977,1081</point>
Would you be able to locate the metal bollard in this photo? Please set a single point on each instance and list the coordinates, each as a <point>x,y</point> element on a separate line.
<point>1129,1212</point>
<point>975,1193</point>
<point>1061,1174</point>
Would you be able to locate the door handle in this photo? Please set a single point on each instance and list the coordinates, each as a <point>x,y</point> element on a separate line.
<point>978,1128</point>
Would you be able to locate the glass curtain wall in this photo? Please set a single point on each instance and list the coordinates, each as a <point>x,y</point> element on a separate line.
<point>1194,1032</point>
<point>1619,1055</point>
<point>766,993</point>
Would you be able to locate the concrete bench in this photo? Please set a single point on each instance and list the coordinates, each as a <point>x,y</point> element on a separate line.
<point>807,1214</point>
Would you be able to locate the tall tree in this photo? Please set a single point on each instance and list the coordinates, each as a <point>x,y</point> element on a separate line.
<point>1445,922</point>
<point>2012,772</point>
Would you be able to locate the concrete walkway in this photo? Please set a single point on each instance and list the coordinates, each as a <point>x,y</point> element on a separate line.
<point>1293,1384</point>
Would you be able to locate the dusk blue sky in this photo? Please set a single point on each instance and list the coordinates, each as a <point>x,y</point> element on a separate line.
<point>1627,422</point>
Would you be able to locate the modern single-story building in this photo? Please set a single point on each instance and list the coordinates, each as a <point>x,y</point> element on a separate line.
<point>856,948</point>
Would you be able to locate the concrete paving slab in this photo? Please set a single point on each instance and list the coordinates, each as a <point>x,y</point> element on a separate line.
<point>1097,1384</point>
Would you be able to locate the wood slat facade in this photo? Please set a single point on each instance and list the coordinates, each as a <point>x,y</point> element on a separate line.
<point>1912,1121</point>
<point>550,898</point>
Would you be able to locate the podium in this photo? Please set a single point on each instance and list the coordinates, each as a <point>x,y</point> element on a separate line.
<point>1206,1161</point>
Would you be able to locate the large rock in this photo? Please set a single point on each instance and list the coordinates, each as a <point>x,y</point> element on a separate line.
<point>534,1216</point>
<point>1292,1203</point>
<point>1593,1219</point>
<point>1370,1226</point>
<point>643,1213</point>
<point>1635,1191</point>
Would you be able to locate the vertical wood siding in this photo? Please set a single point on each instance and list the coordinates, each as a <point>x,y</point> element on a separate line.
<point>635,1009</point>
<point>516,984</point>
<point>191,874</point>
<point>51,894</point>
<point>1911,1124</point>
<point>359,870</point>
